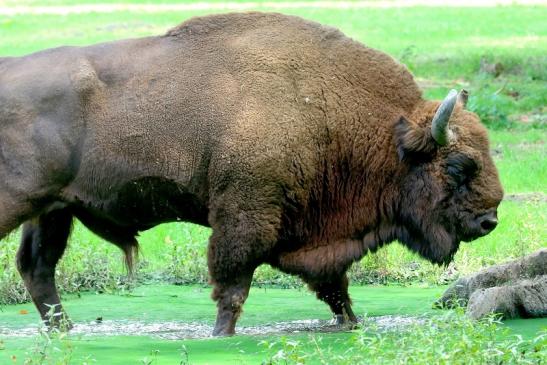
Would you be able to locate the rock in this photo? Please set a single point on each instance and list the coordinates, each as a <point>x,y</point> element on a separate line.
<point>514,288</point>
<point>526,299</point>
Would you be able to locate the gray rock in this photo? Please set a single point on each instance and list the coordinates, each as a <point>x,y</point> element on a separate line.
<point>514,289</point>
<point>526,298</point>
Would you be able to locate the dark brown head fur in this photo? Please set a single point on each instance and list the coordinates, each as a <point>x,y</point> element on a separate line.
<point>446,191</point>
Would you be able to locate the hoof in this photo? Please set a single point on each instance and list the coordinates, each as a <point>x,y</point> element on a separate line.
<point>59,322</point>
<point>222,332</point>
<point>339,320</point>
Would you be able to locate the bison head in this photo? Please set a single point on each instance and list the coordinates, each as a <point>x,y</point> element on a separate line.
<point>449,188</point>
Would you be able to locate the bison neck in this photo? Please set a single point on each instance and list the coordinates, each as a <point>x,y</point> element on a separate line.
<point>349,211</point>
<point>354,192</point>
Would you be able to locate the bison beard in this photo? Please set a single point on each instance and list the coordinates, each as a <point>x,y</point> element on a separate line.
<point>299,147</point>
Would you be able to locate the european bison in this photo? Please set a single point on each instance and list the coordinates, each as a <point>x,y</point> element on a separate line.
<point>300,147</point>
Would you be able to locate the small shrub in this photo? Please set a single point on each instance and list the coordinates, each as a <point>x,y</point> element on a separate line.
<point>448,339</point>
<point>90,267</point>
<point>185,263</point>
<point>492,107</point>
<point>289,352</point>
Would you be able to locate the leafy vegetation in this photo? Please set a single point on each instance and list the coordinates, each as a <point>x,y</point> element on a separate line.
<point>449,339</point>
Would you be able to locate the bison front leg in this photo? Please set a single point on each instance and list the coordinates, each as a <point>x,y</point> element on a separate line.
<point>43,242</point>
<point>334,292</point>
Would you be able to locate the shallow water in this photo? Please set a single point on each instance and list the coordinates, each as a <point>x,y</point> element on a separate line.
<point>174,330</point>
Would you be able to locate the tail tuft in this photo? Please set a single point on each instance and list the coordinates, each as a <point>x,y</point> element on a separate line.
<point>131,252</point>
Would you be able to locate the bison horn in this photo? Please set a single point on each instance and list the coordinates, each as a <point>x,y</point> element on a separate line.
<point>439,125</point>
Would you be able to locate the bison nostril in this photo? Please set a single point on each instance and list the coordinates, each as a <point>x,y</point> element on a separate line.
<point>489,224</point>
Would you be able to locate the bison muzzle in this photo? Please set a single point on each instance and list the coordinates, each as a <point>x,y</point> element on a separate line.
<point>300,147</point>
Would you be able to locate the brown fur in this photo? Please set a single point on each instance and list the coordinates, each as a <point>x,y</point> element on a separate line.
<point>300,147</point>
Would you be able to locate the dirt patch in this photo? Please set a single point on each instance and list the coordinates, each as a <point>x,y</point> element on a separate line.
<point>434,84</point>
<point>498,152</point>
<point>539,118</point>
<point>536,197</point>
<point>494,69</point>
<point>173,330</point>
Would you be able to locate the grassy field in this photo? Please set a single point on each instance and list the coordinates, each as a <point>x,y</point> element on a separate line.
<point>444,48</point>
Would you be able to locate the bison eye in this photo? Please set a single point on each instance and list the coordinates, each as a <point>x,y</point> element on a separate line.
<point>461,168</point>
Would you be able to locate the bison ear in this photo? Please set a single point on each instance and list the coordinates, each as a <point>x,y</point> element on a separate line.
<point>413,142</point>
<point>463,96</point>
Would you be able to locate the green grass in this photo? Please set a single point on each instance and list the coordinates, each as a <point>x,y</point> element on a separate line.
<point>192,304</point>
<point>520,159</point>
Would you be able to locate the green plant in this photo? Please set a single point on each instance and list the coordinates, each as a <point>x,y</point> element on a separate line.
<point>447,339</point>
<point>152,359</point>
<point>288,352</point>
<point>492,108</point>
<point>184,356</point>
<point>52,346</point>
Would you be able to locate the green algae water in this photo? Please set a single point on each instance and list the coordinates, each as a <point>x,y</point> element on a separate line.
<point>167,324</point>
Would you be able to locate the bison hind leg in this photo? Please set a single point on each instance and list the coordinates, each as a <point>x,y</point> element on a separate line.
<point>334,292</point>
<point>43,242</point>
<point>324,268</point>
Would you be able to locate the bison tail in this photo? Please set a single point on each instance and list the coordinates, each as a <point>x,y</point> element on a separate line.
<point>131,252</point>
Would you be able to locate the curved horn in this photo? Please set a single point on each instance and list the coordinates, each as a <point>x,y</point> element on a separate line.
<point>439,125</point>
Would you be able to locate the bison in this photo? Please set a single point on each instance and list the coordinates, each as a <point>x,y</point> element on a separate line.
<point>300,147</point>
